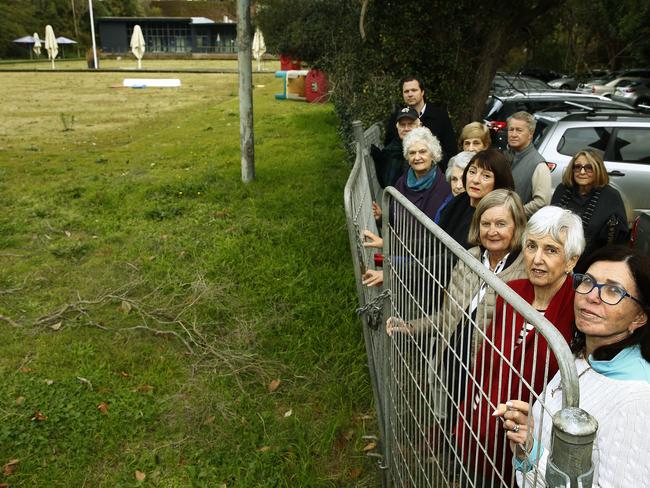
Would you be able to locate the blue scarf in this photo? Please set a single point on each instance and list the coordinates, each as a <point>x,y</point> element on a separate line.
<point>420,184</point>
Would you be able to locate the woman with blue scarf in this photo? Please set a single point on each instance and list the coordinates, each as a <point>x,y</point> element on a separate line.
<point>424,184</point>
<point>612,356</point>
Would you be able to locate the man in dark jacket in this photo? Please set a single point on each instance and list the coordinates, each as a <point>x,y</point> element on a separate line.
<point>434,118</point>
<point>390,163</point>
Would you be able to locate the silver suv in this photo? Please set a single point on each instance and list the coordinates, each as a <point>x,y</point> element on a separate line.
<point>500,107</point>
<point>624,138</point>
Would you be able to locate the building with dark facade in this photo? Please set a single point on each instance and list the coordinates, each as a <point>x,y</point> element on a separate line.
<point>168,35</point>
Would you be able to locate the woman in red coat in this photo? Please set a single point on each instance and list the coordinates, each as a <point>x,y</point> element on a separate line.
<point>513,359</point>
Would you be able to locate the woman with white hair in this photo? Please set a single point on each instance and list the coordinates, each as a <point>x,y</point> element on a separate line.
<point>423,184</point>
<point>512,357</point>
<point>454,173</point>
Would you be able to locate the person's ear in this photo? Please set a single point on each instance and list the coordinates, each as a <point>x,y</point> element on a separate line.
<point>571,263</point>
<point>640,320</point>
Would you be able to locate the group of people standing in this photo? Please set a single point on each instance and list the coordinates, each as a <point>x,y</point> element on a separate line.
<point>558,250</point>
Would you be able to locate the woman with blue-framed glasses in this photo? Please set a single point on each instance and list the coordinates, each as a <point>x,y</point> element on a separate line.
<point>612,350</point>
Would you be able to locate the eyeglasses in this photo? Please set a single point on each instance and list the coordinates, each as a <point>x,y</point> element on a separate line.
<point>609,294</point>
<point>577,168</point>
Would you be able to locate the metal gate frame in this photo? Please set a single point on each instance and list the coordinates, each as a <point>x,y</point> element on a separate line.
<point>572,428</point>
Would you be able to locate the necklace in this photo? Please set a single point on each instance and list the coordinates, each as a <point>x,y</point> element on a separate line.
<point>559,387</point>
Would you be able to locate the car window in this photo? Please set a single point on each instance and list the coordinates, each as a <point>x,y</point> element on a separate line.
<point>540,131</point>
<point>632,145</point>
<point>576,139</point>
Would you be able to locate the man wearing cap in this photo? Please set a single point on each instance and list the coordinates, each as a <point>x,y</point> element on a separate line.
<point>389,162</point>
<point>434,118</point>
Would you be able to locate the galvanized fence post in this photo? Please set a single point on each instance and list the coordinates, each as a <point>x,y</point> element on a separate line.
<point>569,465</point>
<point>357,198</point>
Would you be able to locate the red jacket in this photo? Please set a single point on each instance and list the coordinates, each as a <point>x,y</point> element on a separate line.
<point>494,384</point>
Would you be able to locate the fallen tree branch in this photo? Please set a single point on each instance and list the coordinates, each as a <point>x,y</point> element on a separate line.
<point>167,320</point>
<point>9,320</point>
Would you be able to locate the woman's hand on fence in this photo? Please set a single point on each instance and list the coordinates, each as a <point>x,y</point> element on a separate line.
<point>376,211</point>
<point>372,240</point>
<point>393,324</point>
<point>373,277</point>
<point>518,424</point>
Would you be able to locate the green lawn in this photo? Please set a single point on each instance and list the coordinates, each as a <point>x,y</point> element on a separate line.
<point>148,299</point>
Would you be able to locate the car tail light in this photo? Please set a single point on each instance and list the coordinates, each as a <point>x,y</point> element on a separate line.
<point>497,125</point>
<point>629,89</point>
<point>551,166</point>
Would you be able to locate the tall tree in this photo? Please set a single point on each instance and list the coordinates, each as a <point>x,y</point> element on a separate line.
<point>455,46</point>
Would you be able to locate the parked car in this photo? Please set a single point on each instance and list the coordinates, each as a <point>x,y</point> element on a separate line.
<point>635,94</point>
<point>500,107</point>
<point>624,138</point>
<point>564,83</point>
<point>606,86</point>
<point>508,84</point>
<point>540,73</point>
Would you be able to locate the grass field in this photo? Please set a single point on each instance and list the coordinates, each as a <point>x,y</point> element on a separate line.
<point>162,324</point>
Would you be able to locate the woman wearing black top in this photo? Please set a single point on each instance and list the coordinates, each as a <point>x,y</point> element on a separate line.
<point>488,170</point>
<point>586,192</point>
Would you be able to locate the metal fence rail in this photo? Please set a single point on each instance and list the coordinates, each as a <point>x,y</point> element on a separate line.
<point>447,364</point>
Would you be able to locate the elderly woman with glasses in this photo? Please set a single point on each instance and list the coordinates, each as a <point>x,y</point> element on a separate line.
<point>512,356</point>
<point>612,356</point>
<point>586,192</point>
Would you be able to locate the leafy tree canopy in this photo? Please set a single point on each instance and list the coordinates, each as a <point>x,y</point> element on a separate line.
<point>366,47</point>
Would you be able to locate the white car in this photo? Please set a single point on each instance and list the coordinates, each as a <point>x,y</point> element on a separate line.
<point>607,86</point>
<point>624,139</point>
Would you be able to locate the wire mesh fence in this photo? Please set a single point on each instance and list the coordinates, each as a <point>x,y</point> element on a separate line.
<point>448,343</point>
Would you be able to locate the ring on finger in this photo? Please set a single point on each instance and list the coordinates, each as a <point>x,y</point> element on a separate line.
<point>515,429</point>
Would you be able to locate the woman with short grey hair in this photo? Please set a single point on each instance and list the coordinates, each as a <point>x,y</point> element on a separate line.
<point>455,168</point>
<point>424,136</point>
<point>513,357</point>
<point>424,185</point>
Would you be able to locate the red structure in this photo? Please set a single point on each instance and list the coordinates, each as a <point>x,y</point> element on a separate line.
<point>288,64</point>
<point>316,86</point>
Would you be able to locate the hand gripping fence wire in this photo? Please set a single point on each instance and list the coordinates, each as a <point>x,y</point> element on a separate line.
<point>448,362</point>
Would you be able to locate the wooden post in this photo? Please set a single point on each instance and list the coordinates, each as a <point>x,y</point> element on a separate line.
<point>244,57</point>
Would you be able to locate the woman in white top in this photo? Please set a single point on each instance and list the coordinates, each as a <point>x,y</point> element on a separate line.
<point>612,349</point>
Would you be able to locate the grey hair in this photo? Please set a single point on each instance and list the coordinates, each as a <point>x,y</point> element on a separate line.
<point>423,135</point>
<point>562,225</point>
<point>526,117</point>
<point>460,160</point>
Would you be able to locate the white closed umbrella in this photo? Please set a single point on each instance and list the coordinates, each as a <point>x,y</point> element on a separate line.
<point>37,44</point>
<point>259,48</point>
<point>137,44</point>
<point>50,44</point>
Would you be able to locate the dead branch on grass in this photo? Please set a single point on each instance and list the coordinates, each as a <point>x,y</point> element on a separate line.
<point>166,320</point>
<point>9,320</point>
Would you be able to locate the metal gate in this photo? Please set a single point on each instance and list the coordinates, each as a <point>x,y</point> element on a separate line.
<point>446,364</point>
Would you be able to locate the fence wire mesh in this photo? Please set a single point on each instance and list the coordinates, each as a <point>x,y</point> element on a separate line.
<point>447,342</point>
